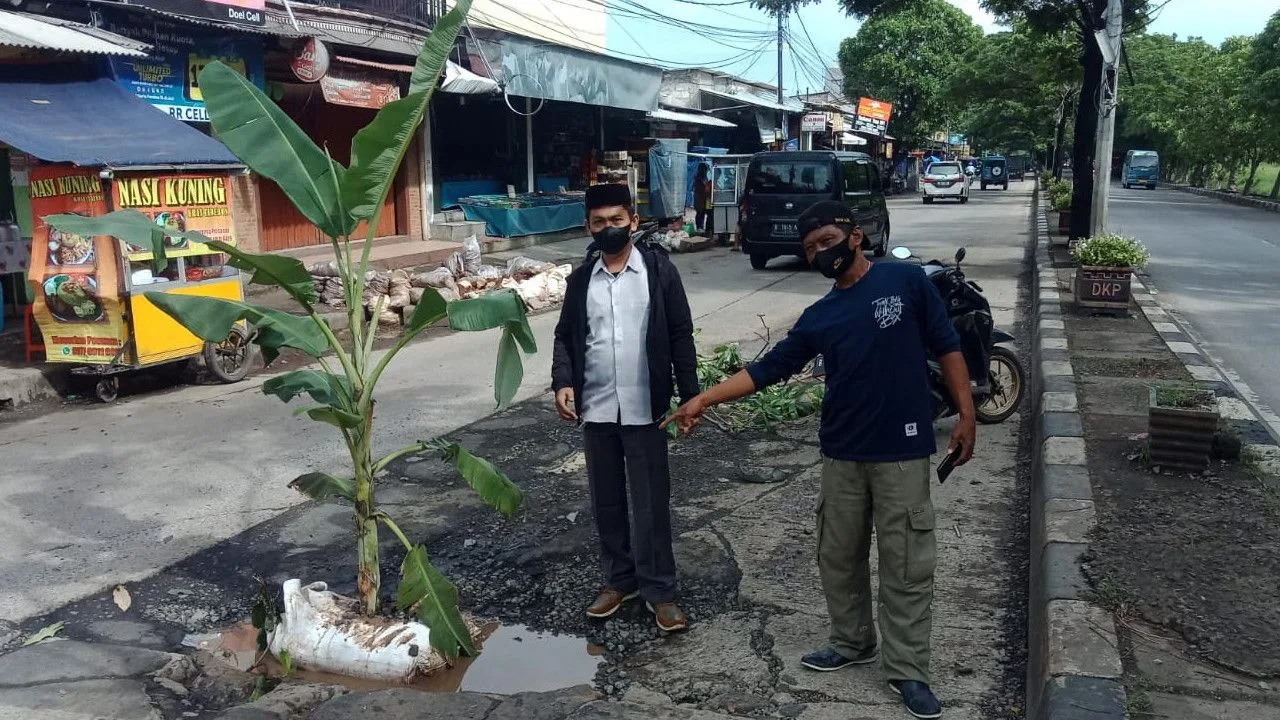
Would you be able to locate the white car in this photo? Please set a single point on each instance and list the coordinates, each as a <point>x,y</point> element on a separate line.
<point>945,180</point>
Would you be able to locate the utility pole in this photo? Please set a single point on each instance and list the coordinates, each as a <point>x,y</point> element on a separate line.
<point>782,116</point>
<point>1109,42</point>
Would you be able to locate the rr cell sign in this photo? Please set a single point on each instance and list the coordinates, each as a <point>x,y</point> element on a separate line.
<point>170,78</point>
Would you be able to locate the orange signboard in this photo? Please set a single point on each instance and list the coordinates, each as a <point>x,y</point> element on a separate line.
<point>874,109</point>
<point>76,279</point>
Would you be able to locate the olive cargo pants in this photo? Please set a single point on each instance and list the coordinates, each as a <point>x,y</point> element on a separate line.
<point>895,497</point>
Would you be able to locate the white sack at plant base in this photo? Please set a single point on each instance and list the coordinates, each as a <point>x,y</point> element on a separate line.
<point>325,632</point>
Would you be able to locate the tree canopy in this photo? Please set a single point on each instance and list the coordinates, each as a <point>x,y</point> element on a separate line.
<point>907,57</point>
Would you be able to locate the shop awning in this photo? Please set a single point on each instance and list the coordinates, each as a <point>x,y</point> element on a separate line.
<point>37,32</point>
<point>851,139</point>
<point>537,69</point>
<point>689,118</point>
<point>457,79</point>
<point>73,117</point>
<point>759,101</point>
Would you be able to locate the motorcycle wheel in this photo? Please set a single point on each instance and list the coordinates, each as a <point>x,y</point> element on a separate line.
<point>1008,384</point>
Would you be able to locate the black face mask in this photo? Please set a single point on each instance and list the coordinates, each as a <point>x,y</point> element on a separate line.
<point>612,240</point>
<point>834,261</point>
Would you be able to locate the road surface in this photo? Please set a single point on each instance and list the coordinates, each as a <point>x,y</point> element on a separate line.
<point>1218,266</point>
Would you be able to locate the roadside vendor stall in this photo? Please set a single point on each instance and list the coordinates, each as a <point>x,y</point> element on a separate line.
<point>525,213</point>
<point>728,178</point>
<point>89,291</point>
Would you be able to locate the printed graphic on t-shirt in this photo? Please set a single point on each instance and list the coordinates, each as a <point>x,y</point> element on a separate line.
<point>911,430</point>
<point>888,310</point>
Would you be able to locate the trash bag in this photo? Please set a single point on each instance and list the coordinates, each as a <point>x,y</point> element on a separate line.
<point>457,266</point>
<point>471,258</point>
<point>438,278</point>
<point>523,268</point>
<point>398,290</point>
<point>327,268</point>
<point>325,632</point>
<point>489,272</point>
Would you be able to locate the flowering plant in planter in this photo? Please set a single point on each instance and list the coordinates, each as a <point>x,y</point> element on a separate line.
<point>338,200</point>
<point>1104,278</point>
<point>1111,251</point>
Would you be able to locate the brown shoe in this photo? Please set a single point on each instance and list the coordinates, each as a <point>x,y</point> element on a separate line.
<point>669,616</point>
<point>608,603</point>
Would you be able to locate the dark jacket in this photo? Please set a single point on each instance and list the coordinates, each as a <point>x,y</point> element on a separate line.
<point>669,341</point>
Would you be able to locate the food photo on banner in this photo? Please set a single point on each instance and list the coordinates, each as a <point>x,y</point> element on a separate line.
<point>169,77</point>
<point>76,279</point>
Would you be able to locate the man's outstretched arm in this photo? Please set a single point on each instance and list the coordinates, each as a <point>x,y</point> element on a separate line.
<point>688,415</point>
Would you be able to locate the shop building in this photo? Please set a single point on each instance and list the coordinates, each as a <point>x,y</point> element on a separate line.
<point>759,120</point>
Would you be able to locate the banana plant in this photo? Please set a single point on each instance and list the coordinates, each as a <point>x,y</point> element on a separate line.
<point>336,199</point>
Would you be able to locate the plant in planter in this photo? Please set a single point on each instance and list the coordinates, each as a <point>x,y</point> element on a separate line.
<point>1182,422</point>
<point>1107,263</point>
<point>336,199</point>
<point>1060,200</point>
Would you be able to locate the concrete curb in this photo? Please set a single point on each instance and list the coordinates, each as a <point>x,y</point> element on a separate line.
<point>1233,198</point>
<point>1073,668</point>
<point>1258,427</point>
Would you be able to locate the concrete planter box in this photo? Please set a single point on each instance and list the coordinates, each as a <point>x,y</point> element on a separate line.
<point>1064,221</point>
<point>1181,437</point>
<point>1103,288</point>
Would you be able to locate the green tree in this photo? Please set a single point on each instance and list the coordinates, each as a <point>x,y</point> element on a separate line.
<point>1083,18</point>
<point>1016,89</point>
<point>1262,90</point>
<point>906,56</point>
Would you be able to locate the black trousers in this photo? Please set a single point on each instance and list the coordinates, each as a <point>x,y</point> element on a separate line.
<point>703,221</point>
<point>630,481</point>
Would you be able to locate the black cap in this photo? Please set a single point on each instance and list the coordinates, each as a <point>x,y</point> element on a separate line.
<point>827,212</point>
<point>608,195</point>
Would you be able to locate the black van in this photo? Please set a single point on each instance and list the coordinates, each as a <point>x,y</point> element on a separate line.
<point>781,185</point>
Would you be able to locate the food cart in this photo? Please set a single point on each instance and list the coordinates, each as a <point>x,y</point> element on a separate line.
<point>728,179</point>
<point>90,301</point>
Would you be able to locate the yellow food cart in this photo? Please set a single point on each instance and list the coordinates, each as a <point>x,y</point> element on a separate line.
<point>90,291</point>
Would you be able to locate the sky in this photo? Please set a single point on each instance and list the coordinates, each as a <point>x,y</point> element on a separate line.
<point>742,45</point>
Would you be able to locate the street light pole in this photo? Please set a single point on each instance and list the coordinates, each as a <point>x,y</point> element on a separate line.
<point>1109,42</point>
<point>782,117</point>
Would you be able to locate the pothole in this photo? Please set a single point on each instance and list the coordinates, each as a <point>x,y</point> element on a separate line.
<point>513,659</point>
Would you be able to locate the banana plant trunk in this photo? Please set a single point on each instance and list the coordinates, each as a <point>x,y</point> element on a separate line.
<point>369,574</point>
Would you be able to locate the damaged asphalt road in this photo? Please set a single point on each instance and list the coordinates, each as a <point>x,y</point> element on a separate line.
<point>743,509</point>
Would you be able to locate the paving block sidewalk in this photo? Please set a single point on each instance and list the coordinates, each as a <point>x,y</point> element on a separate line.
<point>1168,565</point>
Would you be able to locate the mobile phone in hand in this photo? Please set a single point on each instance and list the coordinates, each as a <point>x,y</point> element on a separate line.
<point>948,464</point>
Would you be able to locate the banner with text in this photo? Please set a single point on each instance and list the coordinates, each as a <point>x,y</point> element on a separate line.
<point>76,279</point>
<point>169,78</point>
<point>181,202</point>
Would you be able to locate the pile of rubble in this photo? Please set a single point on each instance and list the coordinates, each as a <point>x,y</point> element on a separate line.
<point>464,275</point>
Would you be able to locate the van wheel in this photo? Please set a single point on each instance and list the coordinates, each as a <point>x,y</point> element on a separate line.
<point>759,261</point>
<point>883,248</point>
<point>927,200</point>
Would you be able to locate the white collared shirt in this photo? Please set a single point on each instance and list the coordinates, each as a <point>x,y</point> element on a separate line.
<point>616,372</point>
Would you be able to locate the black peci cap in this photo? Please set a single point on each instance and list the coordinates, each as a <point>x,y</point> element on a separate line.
<point>827,212</point>
<point>608,195</point>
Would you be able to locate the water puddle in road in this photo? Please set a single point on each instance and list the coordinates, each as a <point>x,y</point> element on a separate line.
<point>514,659</point>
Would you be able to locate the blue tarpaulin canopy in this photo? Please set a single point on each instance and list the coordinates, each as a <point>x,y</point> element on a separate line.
<point>70,115</point>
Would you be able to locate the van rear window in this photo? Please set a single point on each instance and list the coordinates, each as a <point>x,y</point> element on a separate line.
<point>789,177</point>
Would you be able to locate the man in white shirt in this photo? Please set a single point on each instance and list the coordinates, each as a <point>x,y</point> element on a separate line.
<point>623,344</point>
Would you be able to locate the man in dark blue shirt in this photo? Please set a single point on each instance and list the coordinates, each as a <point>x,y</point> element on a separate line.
<point>875,330</point>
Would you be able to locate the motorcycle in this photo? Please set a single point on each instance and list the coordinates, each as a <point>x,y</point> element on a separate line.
<point>996,376</point>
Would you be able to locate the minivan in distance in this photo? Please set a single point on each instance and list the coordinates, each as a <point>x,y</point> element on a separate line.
<point>781,185</point>
<point>1141,167</point>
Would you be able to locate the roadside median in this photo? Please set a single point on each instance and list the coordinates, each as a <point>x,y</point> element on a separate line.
<point>1148,581</point>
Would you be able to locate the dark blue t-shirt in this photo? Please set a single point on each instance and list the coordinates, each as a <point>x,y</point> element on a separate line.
<point>875,339</point>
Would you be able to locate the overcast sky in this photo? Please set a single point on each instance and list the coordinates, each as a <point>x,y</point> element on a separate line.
<point>668,44</point>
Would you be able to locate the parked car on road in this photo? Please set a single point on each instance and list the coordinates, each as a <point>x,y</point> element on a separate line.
<point>995,172</point>
<point>1017,166</point>
<point>781,185</point>
<point>945,180</point>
